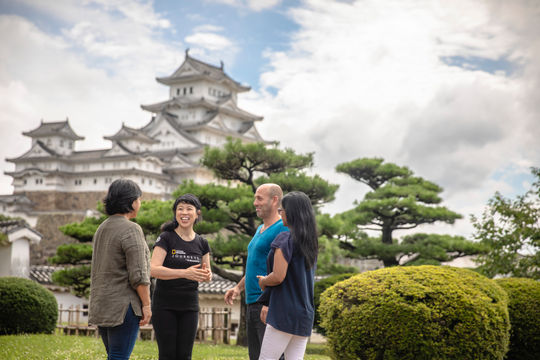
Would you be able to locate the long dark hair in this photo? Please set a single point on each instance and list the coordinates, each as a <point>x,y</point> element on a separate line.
<point>302,225</point>
<point>186,199</point>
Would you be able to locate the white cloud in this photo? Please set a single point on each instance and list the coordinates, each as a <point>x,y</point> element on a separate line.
<point>209,41</point>
<point>368,79</point>
<point>97,72</point>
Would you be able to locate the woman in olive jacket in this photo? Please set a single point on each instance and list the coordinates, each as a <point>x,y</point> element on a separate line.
<point>120,275</point>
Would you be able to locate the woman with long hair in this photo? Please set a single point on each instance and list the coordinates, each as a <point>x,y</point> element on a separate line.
<point>181,260</point>
<point>120,275</point>
<point>288,286</point>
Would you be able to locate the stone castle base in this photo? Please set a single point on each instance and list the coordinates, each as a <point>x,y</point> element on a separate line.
<point>62,201</point>
<point>54,209</point>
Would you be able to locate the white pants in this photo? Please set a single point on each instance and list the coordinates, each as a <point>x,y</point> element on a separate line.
<point>277,342</point>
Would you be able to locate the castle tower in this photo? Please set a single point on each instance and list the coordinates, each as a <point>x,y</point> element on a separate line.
<point>201,111</point>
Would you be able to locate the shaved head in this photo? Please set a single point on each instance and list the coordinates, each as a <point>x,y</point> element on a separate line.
<point>273,190</point>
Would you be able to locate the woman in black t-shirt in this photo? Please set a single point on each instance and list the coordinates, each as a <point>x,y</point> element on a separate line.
<point>181,260</point>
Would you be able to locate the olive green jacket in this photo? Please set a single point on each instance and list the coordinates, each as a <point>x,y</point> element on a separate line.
<point>120,263</point>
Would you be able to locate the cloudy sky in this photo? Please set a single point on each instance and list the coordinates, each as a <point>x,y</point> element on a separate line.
<point>450,89</point>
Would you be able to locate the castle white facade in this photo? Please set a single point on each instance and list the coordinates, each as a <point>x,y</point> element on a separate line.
<point>201,111</point>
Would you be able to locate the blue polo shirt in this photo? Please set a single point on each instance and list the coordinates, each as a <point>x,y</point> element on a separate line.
<point>258,250</point>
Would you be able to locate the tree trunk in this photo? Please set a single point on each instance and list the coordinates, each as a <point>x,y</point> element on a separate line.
<point>387,240</point>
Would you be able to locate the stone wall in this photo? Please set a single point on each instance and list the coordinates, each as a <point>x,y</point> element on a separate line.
<point>54,209</point>
<point>47,225</point>
<point>62,201</point>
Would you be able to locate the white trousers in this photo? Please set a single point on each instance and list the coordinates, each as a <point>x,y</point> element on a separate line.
<point>277,342</point>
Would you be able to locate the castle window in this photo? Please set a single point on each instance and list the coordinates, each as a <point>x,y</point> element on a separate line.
<point>39,181</point>
<point>150,181</point>
<point>24,182</point>
<point>185,91</point>
<point>78,182</point>
<point>95,181</point>
<point>191,89</point>
<point>177,92</point>
<point>142,181</point>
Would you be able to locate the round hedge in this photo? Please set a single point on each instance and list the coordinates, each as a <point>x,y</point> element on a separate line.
<point>27,307</point>
<point>524,311</point>
<point>417,312</point>
<point>319,288</point>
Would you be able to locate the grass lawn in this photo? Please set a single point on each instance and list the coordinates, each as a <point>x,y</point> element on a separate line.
<point>62,347</point>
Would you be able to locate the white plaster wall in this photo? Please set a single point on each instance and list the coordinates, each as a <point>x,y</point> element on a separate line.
<point>20,258</point>
<point>5,260</point>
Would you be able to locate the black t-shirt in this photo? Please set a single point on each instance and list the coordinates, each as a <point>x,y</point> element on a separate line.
<point>179,294</point>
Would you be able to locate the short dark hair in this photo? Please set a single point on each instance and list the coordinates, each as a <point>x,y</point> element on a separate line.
<point>185,199</point>
<point>120,196</point>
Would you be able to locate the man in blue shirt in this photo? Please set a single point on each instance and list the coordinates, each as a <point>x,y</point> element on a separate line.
<point>267,201</point>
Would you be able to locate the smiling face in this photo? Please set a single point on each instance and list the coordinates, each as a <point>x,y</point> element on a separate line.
<point>186,215</point>
<point>263,202</point>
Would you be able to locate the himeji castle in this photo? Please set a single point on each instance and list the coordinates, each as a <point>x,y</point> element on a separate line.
<point>201,110</point>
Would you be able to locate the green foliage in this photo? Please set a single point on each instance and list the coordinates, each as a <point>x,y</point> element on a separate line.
<point>417,312</point>
<point>77,278</point>
<point>524,311</point>
<point>397,200</point>
<point>83,231</point>
<point>3,239</point>
<point>432,249</point>
<point>27,307</point>
<point>511,231</point>
<point>318,189</point>
<point>241,162</point>
<point>72,254</point>
<point>319,288</point>
<point>329,254</point>
<point>152,214</point>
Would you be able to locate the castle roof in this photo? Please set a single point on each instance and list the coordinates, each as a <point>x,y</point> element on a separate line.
<point>225,106</point>
<point>59,128</point>
<point>193,69</point>
<point>128,133</point>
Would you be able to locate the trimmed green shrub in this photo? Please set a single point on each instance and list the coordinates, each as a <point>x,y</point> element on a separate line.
<point>26,307</point>
<point>524,311</point>
<point>417,312</point>
<point>319,288</point>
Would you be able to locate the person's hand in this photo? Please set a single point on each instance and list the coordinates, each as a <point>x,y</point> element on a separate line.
<point>261,279</point>
<point>197,273</point>
<point>231,295</point>
<point>264,313</point>
<point>147,315</point>
<point>209,274</point>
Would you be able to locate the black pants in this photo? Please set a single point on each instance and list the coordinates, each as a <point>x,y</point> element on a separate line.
<point>175,333</point>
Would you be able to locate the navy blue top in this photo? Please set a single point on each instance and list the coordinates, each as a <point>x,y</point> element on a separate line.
<point>291,307</point>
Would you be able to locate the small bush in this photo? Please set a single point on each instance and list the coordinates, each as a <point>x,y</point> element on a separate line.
<point>418,312</point>
<point>524,311</point>
<point>320,287</point>
<point>26,307</point>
